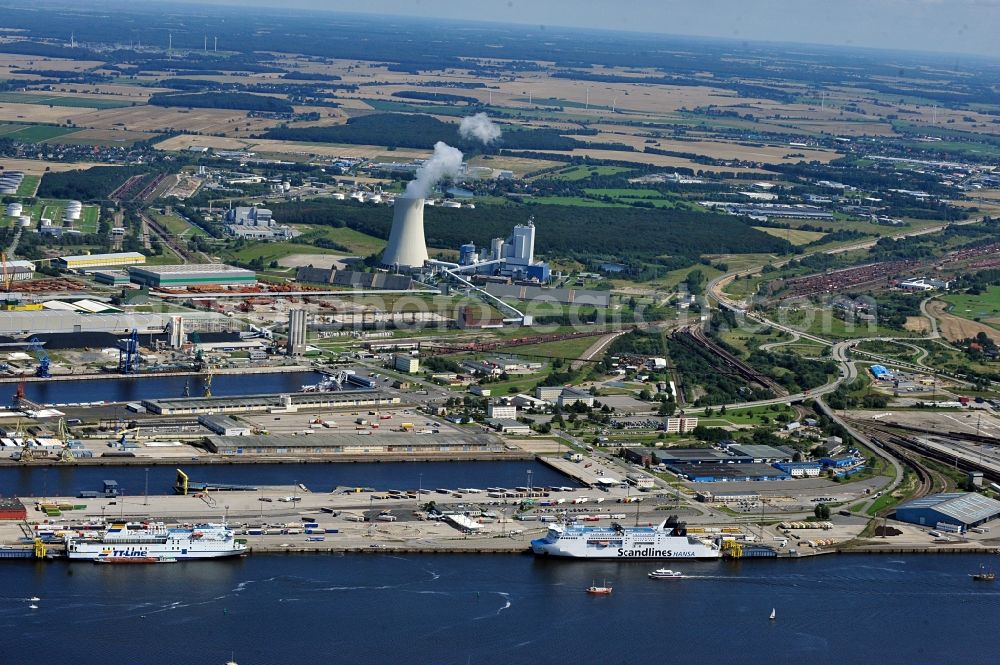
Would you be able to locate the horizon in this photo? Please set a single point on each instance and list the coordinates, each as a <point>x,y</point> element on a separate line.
<point>931,27</point>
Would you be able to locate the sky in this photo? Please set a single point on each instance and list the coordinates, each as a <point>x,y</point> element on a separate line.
<point>955,26</point>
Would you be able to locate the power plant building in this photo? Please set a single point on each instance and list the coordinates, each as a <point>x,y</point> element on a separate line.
<point>407,247</point>
<point>297,332</point>
<point>192,274</point>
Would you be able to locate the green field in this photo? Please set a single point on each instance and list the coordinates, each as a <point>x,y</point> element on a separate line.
<point>567,348</point>
<point>984,307</point>
<point>584,172</point>
<point>33,133</point>
<point>89,218</point>
<point>273,251</point>
<point>794,236</point>
<point>177,226</point>
<point>360,244</point>
<point>575,201</point>
<point>62,100</point>
<point>29,185</point>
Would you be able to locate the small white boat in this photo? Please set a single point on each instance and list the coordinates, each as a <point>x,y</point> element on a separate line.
<point>773,615</point>
<point>32,607</point>
<point>665,574</point>
<point>34,599</point>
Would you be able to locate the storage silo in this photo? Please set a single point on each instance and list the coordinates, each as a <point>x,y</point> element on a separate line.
<point>14,209</point>
<point>407,247</point>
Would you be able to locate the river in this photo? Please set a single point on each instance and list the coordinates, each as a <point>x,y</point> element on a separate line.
<point>125,389</point>
<point>70,480</point>
<point>475,609</point>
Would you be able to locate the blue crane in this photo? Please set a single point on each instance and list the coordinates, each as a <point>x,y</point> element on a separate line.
<point>128,353</point>
<point>42,371</point>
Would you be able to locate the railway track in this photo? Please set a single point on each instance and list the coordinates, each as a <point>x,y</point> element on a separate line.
<point>696,335</point>
<point>909,452</point>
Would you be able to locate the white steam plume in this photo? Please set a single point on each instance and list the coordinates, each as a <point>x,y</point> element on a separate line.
<point>479,127</point>
<point>445,163</point>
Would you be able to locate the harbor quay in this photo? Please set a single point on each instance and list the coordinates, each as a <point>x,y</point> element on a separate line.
<point>293,519</point>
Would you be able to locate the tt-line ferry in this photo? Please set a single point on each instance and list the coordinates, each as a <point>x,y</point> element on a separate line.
<point>125,543</point>
<point>618,542</point>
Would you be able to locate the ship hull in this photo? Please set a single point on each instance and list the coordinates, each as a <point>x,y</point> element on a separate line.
<point>638,543</point>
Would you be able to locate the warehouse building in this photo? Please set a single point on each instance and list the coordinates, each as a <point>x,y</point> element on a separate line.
<point>18,271</point>
<point>958,509</point>
<point>732,473</point>
<point>288,403</point>
<point>350,443</point>
<point>86,261</point>
<point>761,454</point>
<point>224,425</point>
<point>111,277</point>
<point>192,274</point>
<point>57,321</point>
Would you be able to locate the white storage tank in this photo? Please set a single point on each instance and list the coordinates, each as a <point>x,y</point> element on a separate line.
<point>14,209</point>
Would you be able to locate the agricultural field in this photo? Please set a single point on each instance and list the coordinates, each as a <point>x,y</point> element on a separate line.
<point>984,307</point>
<point>33,133</point>
<point>956,328</point>
<point>105,137</point>
<point>62,100</point>
<point>567,348</point>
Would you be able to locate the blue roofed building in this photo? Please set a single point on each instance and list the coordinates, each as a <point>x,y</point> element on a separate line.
<point>961,509</point>
<point>880,373</point>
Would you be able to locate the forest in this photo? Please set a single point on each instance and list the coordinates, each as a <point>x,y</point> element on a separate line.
<point>93,184</point>
<point>417,131</point>
<point>575,231</point>
<point>223,100</point>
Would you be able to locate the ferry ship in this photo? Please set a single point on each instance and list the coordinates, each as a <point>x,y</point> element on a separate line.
<point>669,540</point>
<point>154,542</point>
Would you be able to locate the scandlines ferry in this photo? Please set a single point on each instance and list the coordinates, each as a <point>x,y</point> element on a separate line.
<point>618,542</point>
<point>154,542</point>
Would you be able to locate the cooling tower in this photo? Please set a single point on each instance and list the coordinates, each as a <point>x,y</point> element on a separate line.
<point>406,248</point>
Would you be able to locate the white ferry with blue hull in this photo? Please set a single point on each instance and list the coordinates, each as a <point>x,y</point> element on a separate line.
<point>124,543</point>
<point>618,542</point>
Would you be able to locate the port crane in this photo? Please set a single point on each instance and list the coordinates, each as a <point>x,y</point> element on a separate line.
<point>62,433</point>
<point>128,353</point>
<point>42,370</point>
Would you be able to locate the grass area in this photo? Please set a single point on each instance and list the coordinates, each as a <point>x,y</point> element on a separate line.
<point>567,348</point>
<point>984,307</point>
<point>273,251</point>
<point>574,173</point>
<point>576,201</point>
<point>821,321</point>
<point>794,236</point>
<point>29,185</point>
<point>89,219</point>
<point>177,226</point>
<point>62,100</point>
<point>33,133</point>
<point>890,499</point>
<point>356,242</point>
<point>760,415</point>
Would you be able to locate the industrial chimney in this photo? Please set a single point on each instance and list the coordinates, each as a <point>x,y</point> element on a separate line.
<point>406,248</point>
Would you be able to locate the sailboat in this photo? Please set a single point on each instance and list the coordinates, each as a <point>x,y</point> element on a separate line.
<point>984,575</point>
<point>773,615</point>
<point>600,590</point>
